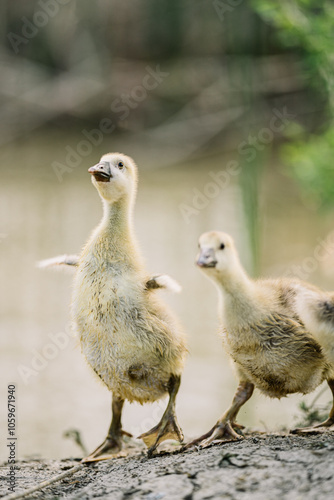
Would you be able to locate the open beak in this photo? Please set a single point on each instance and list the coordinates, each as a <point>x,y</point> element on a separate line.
<point>101,172</point>
<point>206,258</point>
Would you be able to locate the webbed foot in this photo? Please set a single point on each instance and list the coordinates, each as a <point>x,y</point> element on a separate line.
<point>222,432</point>
<point>168,428</point>
<point>110,447</point>
<point>226,429</point>
<point>315,429</point>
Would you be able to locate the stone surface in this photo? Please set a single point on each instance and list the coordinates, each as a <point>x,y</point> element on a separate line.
<point>257,468</point>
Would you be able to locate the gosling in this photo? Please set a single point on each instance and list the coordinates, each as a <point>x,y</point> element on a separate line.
<point>129,338</point>
<point>279,333</point>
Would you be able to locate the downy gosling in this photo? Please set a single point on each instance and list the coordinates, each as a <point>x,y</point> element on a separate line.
<point>278,332</point>
<point>128,336</point>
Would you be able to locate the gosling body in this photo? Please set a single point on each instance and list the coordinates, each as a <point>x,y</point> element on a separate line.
<point>267,338</point>
<point>279,333</point>
<point>128,336</point>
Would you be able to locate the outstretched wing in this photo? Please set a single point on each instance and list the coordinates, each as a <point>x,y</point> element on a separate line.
<point>62,262</point>
<point>163,281</point>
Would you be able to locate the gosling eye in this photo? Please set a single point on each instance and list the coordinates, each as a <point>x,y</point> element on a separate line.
<point>222,246</point>
<point>120,165</point>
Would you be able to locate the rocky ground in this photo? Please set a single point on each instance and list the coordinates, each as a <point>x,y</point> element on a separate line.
<point>261,467</point>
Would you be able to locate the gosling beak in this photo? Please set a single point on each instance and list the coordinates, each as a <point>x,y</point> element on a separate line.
<point>101,172</point>
<point>207,258</point>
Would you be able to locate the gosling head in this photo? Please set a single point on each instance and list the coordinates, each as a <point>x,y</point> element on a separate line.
<point>217,255</point>
<point>115,177</point>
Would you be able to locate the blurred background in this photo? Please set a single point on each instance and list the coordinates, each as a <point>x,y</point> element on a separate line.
<point>227,108</point>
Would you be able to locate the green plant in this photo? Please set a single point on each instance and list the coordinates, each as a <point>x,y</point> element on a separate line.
<point>307,25</point>
<point>311,414</point>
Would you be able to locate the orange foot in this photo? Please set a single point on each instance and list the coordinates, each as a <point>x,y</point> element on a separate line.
<point>222,432</point>
<point>168,428</point>
<point>315,429</point>
<point>110,447</point>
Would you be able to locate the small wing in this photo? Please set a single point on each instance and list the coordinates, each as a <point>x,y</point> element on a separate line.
<point>289,336</point>
<point>163,281</point>
<point>62,262</point>
<point>282,357</point>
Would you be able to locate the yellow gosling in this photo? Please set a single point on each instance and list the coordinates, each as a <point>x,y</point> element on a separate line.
<point>279,333</point>
<point>127,335</point>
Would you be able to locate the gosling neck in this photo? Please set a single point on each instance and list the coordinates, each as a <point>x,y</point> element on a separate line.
<point>117,219</point>
<point>114,239</point>
<point>236,293</point>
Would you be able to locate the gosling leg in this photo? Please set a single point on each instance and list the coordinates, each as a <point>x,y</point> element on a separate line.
<point>168,427</point>
<point>113,442</point>
<point>319,428</point>
<point>224,429</point>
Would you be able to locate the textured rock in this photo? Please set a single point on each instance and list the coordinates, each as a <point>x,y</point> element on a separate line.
<point>258,468</point>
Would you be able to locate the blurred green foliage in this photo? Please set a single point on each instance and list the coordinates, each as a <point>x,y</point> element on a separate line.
<point>307,25</point>
<point>311,414</point>
<point>311,162</point>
